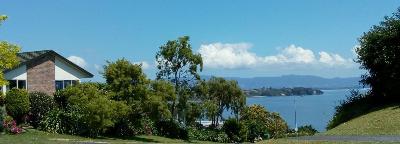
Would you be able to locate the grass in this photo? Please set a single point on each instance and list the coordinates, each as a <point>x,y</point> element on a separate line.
<point>32,136</point>
<point>291,141</point>
<point>385,121</point>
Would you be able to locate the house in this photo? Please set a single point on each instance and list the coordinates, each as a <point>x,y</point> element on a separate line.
<point>45,71</point>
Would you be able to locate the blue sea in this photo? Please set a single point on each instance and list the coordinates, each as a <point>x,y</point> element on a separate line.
<point>316,110</point>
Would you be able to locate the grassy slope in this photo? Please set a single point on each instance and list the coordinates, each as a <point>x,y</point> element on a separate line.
<point>39,137</point>
<point>381,122</point>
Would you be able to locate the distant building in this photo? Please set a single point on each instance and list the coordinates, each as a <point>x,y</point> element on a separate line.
<point>45,71</point>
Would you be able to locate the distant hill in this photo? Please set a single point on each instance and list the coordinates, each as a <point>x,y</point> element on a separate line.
<point>296,81</point>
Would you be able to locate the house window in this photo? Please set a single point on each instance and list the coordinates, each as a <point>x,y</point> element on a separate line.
<point>62,84</point>
<point>59,85</point>
<point>20,84</point>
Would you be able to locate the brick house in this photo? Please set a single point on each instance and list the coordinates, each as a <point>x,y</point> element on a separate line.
<point>44,71</point>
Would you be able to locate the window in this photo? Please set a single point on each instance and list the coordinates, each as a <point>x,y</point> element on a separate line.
<point>21,84</point>
<point>59,85</point>
<point>67,83</point>
<point>62,84</point>
<point>12,84</point>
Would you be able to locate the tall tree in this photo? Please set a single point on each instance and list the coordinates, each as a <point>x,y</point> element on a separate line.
<point>179,64</point>
<point>226,95</point>
<point>8,55</point>
<point>379,54</point>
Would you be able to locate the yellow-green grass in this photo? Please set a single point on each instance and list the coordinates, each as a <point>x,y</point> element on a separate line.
<point>385,121</point>
<point>32,136</point>
<point>293,141</point>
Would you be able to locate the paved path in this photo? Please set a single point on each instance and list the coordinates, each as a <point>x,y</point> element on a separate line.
<point>351,138</point>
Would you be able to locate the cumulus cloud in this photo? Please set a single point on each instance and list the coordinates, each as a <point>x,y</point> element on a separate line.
<point>77,60</point>
<point>232,56</point>
<point>145,65</point>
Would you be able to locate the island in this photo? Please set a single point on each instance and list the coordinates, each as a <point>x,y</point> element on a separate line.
<point>264,91</point>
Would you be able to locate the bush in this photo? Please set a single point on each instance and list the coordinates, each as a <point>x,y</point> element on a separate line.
<point>355,105</point>
<point>171,129</point>
<point>261,123</point>
<point>53,122</point>
<point>41,104</point>
<point>3,114</point>
<point>235,130</point>
<point>2,99</point>
<point>17,104</point>
<point>10,126</point>
<point>306,130</point>
<point>206,134</point>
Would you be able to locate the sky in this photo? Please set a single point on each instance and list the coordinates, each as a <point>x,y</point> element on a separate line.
<point>236,38</point>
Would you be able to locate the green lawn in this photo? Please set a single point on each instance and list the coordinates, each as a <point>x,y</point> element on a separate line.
<point>381,122</point>
<point>289,141</point>
<point>38,137</point>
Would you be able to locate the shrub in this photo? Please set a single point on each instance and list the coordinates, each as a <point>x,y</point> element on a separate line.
<point>307,130</point>
<point>88,110</point>
<point>2,99</point>
<point>41,104</point>
<point>3,114</point>
<point>171,129</point>
<point>355,105</point>
<point>262,123</point>
<point>10,126</point>
<point>17,104</point>
<point>205,134</point>
<point>235,130</point>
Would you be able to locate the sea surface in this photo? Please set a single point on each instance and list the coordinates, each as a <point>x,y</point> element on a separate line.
<point>316,110</point>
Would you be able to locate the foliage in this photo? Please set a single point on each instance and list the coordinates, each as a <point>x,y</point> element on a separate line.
<point>89,111</point>
<point>8,53</point>
<point>2,99</point>
<point>237,132</point>
<point>261,122</point>
<point>305,130</point>
<point>206,134</point>
<point>40,105</point>
<point>379,54</point>
<point>53,122</point>
<point>283,91</point>
<point>3,114</point>
<point>10,126</point>
<point>160,93</point>
<point>355,105</point>
<point>219,95</point>
<point>194,112</point>
<point>17,104</point>
<point>171,129</point>
<point>178,64</point>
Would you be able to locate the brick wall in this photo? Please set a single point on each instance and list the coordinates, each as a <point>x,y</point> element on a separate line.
<point>41,74</point>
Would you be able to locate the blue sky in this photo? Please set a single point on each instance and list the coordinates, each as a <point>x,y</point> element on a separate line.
<point>236,38</point>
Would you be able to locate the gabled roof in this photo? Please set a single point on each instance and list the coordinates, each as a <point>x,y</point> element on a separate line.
<point>26,57</point>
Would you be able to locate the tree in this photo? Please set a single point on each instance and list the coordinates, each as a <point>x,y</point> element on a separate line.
<point>8,55</point>
<point>379,54</point>
<point>259,122</point>
<point>178,64</point>
<point>225,94</point>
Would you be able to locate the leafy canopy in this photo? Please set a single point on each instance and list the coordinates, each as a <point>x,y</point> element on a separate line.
<point>379,54</point>
<point>8,55</point>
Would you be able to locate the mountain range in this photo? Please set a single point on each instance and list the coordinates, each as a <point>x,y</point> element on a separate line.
<point>290,81</point>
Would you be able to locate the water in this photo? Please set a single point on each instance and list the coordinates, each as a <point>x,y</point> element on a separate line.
<point>316,110</point>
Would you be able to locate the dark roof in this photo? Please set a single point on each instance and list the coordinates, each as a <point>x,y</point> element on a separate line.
<point>26,57</point>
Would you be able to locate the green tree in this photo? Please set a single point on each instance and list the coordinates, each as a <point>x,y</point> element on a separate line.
<point>379,54</point>
<point>227,95</point>
<point>8,55</point>
<point>260,122</point>
<point>179,64</point>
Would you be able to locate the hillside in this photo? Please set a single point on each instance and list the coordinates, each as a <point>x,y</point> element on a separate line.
<point>296,81</point>
<point>381,122</point>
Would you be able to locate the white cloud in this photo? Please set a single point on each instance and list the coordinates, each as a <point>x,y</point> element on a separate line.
<point>77,60</point>
<point>97,67</point>
<point>144,64</point>
<point>227,55</point>
<point>232,56</point>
